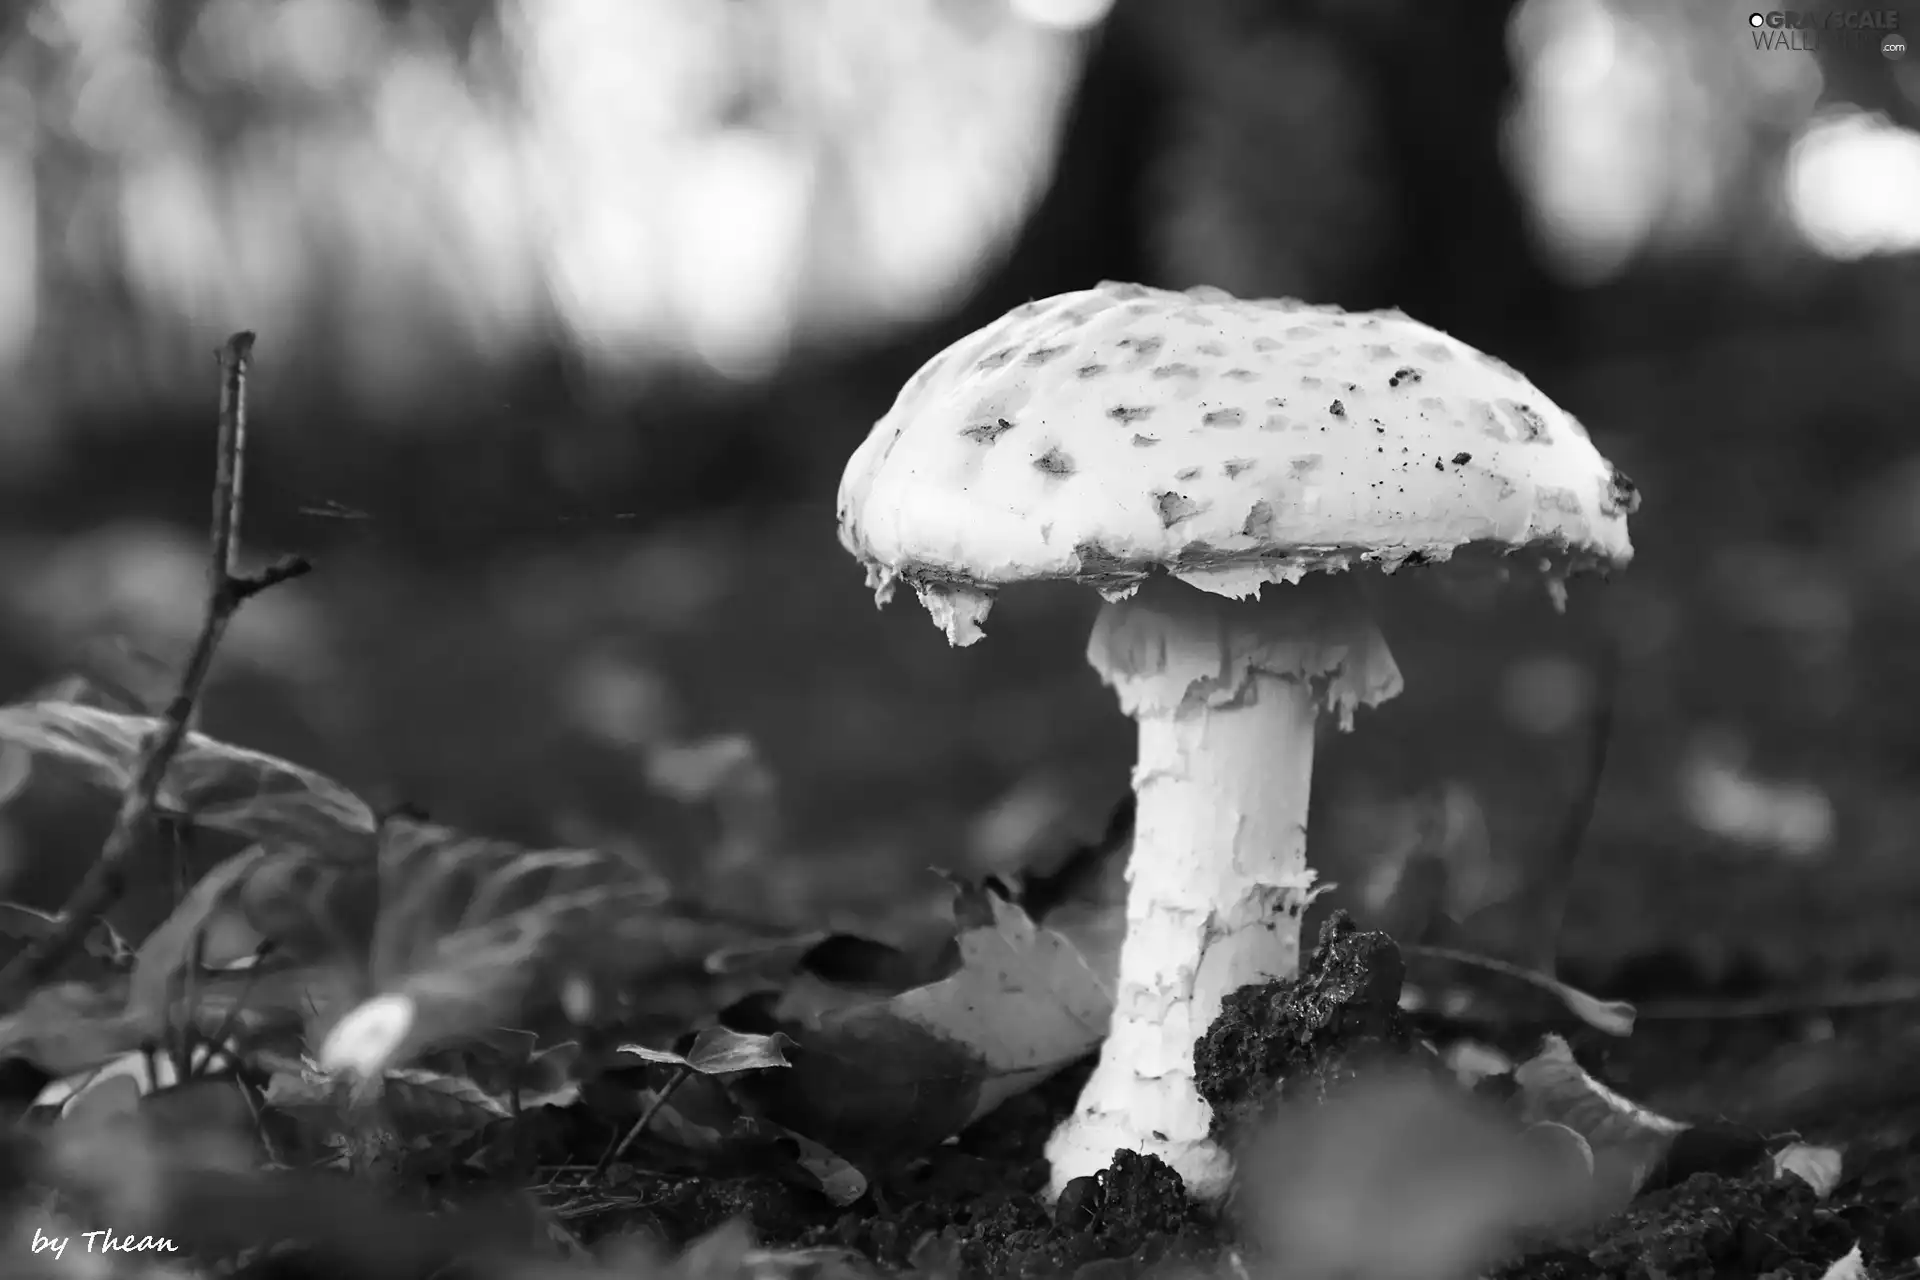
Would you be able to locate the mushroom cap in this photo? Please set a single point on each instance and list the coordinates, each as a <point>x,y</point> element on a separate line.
<point>1099,435</point>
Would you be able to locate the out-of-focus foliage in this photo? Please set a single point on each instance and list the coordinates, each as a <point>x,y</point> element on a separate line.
<point>431,196</point>
<point>1646,127</point>
<point>403,190</point>
<point>505,255</point>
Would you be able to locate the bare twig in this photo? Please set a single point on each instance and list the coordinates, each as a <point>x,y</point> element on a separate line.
<point>1866,995</point>
<point>618,1149</point>
<point>227,590</point>
<point>229,1025</point>
<point>1615,1017</point>
<point>256,1108</point>
<point>183,993</point>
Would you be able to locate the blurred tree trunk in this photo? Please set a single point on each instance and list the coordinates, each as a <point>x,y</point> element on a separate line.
<point>1464,258</point>
<point>1358,151</point>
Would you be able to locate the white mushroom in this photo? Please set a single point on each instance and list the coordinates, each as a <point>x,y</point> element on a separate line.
<point>1102,435</point>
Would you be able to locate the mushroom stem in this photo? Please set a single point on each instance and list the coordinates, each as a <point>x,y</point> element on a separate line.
<point>1226,695</point>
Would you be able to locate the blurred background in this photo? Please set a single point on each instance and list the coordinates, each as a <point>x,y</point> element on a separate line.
<point>570,312</point>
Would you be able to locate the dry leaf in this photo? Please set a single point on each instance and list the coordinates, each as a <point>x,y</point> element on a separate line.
<point>884,1077</point>
<point>1628,1141</point>
<point>1849,1266</point>
<point>1818,1167</point>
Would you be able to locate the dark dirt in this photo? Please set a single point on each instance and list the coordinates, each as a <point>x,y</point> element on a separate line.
<point>1712,1207</point>
<point>975,1207</point>
<point>1300,1040</point>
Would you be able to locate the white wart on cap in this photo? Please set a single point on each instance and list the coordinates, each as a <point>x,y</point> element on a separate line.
<point>1099,435</point>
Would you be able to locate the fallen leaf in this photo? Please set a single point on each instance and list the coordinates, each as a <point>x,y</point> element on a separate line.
<point>1084,898</point>
<point>879,1078</point>
<point>839,1181</point>
<point>1627,1140</point>
<point>1849,1266</point>
<point>1561,1142</point>
<point>1818,1167</point>
<point>695,1120</point>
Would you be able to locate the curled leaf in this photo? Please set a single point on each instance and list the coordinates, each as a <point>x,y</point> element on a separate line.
<point>1566,1143</point>
<point>838,1179</point>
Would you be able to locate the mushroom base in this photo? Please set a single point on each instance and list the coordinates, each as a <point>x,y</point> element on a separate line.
<point>1226,695</point>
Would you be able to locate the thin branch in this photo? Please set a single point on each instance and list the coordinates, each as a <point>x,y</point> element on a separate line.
<point>1615,1017</point>
<point>230,1027</point>
<point>229,459</point>
<point>227,590</point>
<point>618,1149</point>
<point>1866,995</point>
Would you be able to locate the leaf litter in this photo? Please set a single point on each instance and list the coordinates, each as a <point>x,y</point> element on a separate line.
<point>884,1078</point>
<point>846,1069</point>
